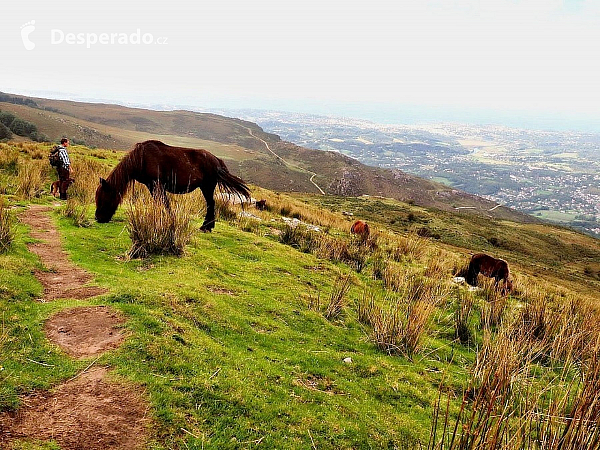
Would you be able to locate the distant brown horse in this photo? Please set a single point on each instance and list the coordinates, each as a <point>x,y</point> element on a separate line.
<point>361,229</point>
<point>162,168</point>
<point>489,267</point>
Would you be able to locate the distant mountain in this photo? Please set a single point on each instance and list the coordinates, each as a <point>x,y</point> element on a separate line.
<point>259,157</point>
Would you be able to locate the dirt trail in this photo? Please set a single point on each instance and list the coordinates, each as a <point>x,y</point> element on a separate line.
<point>85,331</point>
<point>63,280</point>
<point>88,411</point>
<point>266,144</point>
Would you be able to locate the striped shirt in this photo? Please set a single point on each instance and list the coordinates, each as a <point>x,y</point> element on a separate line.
<point>64,157</point>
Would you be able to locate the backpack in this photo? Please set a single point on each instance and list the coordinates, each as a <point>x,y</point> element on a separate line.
<point>54,158</point>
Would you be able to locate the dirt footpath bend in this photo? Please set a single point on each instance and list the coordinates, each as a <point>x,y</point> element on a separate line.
<point>89,411</point>
<point>63,279</point>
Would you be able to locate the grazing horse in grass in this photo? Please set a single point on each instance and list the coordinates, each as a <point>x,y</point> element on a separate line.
<point>162,168</point>
<point>361,229</point>
<point>489,267</point>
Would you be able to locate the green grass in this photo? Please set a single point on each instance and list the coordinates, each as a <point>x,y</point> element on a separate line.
<point>258,363</point>
<point>227,348</point>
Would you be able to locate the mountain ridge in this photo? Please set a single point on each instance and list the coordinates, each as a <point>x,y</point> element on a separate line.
<point>242,144</point>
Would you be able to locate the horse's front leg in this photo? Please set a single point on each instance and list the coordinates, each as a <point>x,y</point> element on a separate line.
<point>209,219</point>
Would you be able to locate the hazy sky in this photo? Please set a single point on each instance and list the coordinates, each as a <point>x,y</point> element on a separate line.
<point>530,57</point>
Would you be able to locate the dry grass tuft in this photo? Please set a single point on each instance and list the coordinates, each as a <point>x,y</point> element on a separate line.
<point>7,233</point>
<point>494,304</point>
<point>411,246</point>
<point>9,159</point>
<point>31,177</point>
<point>463,314</point>
<point>400,327</point>
<point>154,229</point>
<point>81,194</point>
<point>337,299</point>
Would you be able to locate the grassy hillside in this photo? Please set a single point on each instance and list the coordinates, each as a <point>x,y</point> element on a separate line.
<point>244,146</point>
<point>234,343</point>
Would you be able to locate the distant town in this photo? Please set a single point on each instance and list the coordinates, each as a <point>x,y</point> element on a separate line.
<point>551,175</point>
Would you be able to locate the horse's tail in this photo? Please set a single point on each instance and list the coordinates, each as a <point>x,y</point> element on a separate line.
<point>231,184</point>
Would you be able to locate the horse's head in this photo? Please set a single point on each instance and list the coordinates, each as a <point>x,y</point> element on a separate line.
<point>107,201</point>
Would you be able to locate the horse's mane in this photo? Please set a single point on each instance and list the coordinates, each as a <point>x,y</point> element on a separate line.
<point>121,177</point>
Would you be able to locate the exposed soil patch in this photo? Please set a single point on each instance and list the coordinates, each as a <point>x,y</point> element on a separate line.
<point>85,331</point>
<point>221,290</point>
<point>87,413</point>
<point>63,279</point>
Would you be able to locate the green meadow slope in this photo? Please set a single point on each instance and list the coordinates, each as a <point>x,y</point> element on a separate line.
<point>230,343</point>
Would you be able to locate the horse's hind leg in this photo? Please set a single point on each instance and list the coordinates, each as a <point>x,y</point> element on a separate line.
<point>209,219</point>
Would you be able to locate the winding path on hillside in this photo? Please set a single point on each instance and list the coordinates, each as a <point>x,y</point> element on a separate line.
<point>89,411</point>
<point>266,144</point>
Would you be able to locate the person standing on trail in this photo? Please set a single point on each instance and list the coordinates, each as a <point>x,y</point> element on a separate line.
<point>63,168</point>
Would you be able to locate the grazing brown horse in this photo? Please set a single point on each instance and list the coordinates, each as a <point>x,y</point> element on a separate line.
<point>489,267</point>
<point>162,168</point>
<point>360,228</point>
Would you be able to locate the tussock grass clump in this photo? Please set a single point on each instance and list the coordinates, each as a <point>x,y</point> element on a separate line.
<point>535,319</point>
<point>77,211</point>
<point>494,304</point>
<point>463,315</point>
<point>85,172</point>
<point>9,159</point>
<point>499,363</point>
<point>393,276</point>
<point>399,327</point>
<point>337,298</point>
<point>577,324</point>
<point>378,265</point>
<point>31,177</point>
<point>301,238</point>
<point>507,407</point>
<point>7,233</point>
<point>410,246</point>
<point>154,229</point>
<point>81,194</point>
<point>249,225</point>
<point>355,256</point>
<point>224,210</point>
<point>366,307</point>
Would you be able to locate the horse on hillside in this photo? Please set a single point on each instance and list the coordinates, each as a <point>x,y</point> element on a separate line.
<point>361,229</point>
<point>489,267</point>
<point>162,168</point>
